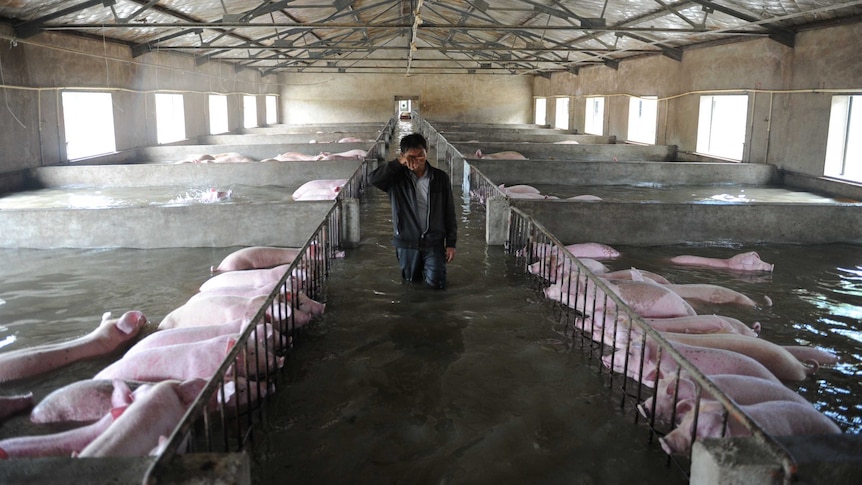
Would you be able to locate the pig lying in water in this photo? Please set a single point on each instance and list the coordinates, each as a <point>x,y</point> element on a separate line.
<point>505,155</point>
<point>749,261</point>
<point>777,418</point>
<point>65,443</point>
<point>319,189</point>
<point>258,257</point>
<point>83,401</point>
<point>194,360</point>
<point>154,413</point>
<point>110,335</point>
<point>229,157</point>
<point>211,309</point>
<point>681,394</point>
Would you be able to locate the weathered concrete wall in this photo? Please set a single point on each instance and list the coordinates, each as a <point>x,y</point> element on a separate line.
<point>789,89</point>
<point>323,98</point>
<point>38,69</point>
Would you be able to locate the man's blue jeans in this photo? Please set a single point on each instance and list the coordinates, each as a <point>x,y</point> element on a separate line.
<point>423,264</point>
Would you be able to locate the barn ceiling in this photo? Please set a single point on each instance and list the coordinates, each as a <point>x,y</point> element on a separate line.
<point>536,37</point>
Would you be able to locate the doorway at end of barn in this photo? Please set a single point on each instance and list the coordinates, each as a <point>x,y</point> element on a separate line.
<point>406,107</point>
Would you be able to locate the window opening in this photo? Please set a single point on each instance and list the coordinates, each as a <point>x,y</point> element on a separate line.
<point>218,114</point>
<point>170,118</point>
<point>271,110</point>
<point>541,111</point>
<point>721,125</point>
<point>249,111</point>
<point>642,119</point>
<point>594,119</point>
<point>843,145</point>
<point>88,120</point>
<point>561,116</point>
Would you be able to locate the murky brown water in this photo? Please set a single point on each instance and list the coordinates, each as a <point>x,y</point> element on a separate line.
<point>474,384</point>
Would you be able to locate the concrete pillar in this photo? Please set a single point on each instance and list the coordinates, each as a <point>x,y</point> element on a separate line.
<point>496,220</point>
<point>737,461</point>
<point>827,459</point>
<point>350,222</point>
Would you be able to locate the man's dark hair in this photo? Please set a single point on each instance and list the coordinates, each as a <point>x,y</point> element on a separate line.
<point>413,140</point>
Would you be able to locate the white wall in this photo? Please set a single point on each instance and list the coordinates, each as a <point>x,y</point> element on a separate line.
<point>790,90</point>
<point>345,97</point>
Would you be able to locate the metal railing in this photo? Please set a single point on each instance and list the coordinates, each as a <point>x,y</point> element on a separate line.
<point>223,417</point>
<point>632,355</point>
<point>480,187</point>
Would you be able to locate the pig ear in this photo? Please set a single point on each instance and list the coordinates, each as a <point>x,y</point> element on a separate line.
<point>189,390</point>
<point>637,275</point>
<point>122,394</point>
<point>683,407</point>
<point>106,316</point>
<point>127,323</point>
<point>118,411</point>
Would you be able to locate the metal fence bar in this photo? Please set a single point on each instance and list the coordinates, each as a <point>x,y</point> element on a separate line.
<point>252,364</point>
<point>621,339</point>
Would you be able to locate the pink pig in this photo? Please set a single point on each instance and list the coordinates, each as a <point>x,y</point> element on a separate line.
<point>319,189</point>
<point>707,360</point>
<point>82,401</point>
<point>703,324</point>
<point>777,418</point>
<point>742,389</point>
<point>257,257</point>
<point>154,413</point>
<point>219,309</point>
<point>65,443</point>
<point>193,360</point>
<point>251,277</point>
<point>184,335</point>
<point>504,155</point>
<point>110,335</point>
<point>356,154</point>
<point>774,357</point>
<point>749,261</point>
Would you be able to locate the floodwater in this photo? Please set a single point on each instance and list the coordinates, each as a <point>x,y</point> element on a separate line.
<point>703,194</point>
<point>167,196</point>
<point>478,383</point>
<point>474,384</point>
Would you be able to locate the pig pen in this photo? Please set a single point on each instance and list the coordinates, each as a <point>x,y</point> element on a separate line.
<point>184,152</point>
<point>131,220</point>
<point>687,227</point>
<point>534,143</point>
<point>208,232</point>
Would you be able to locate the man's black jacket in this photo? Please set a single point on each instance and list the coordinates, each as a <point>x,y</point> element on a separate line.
<point>395,179</point>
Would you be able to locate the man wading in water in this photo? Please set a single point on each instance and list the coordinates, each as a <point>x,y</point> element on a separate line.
<point>423,212</point>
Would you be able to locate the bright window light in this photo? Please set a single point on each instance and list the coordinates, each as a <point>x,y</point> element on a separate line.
<point>594,119</point>
<point>218,114</point>
<point>249,111</point>
<point>642,119</point>
<point>561,117</point>
<point>271,110</point>
<point>844,140</point>
<point>721,125</point>
<point>89,124</point>
<point>170,118</point>
<point>541,111</point>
